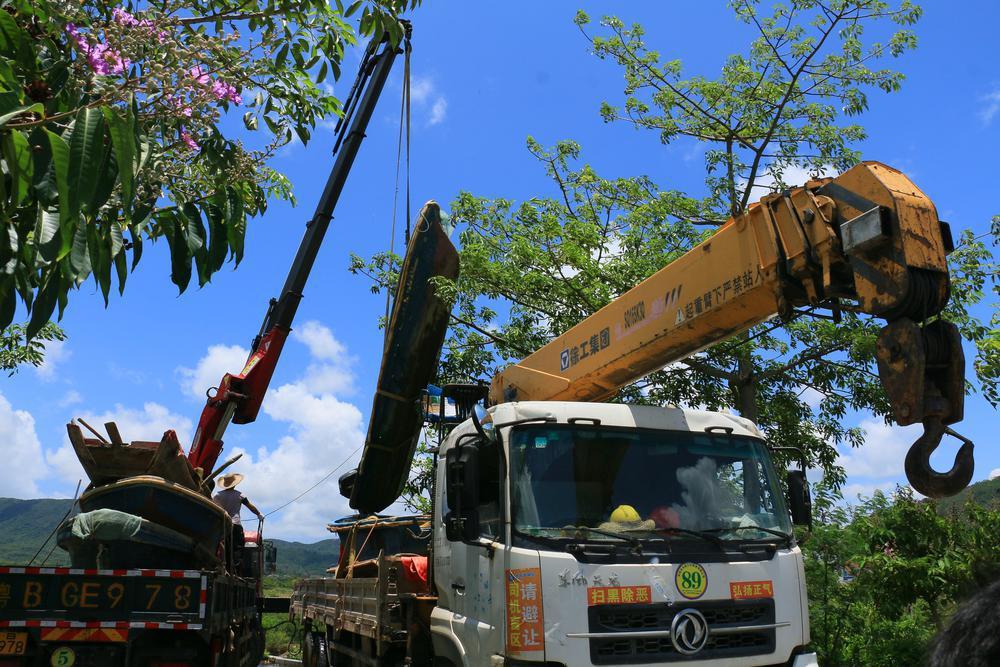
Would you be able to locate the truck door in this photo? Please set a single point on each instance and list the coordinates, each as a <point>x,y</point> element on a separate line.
<point>471,581</point>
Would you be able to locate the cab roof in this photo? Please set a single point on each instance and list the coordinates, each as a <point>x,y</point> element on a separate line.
<point>617,414</point>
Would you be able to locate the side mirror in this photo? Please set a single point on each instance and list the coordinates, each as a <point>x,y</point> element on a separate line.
<point>462,489</point>
<point>799,498</point>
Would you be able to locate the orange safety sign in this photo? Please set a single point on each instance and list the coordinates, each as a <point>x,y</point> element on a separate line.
<point>525,625</point>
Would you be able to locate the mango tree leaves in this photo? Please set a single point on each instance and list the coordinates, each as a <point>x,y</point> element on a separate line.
<point>123,139</point>
<point>86,153</point>
<point>92,165</point>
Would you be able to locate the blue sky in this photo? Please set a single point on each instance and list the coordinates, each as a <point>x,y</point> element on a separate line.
<point>485,77</point>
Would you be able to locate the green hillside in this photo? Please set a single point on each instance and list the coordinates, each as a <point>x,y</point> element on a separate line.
<point>24,525</point>
<point>985,493</point>
<point>298,559</point>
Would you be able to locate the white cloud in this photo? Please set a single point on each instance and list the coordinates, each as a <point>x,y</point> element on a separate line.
<point>438,111</point>
<point>323,432</point>
<point>71,397</point>
<point>421,89</point>
<point>21,450</point>
<point>219,360</point>
<point>811,397</point>
<point>882,455</point>
<point>148,424</point>
<point>56,352</point>
<point>332,374</point>
<point>320,341</point>
<point>991,106</point>
<point>425,94</point>
<point>994,473</point>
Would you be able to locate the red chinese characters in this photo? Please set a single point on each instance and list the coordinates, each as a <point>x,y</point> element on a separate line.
<point>525,623</point>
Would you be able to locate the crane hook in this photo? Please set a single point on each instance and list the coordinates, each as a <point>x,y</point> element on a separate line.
<point>923,477</point>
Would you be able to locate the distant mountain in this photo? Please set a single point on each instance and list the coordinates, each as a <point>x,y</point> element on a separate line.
<point>24,525</point>
<point>985,493</point>
<point>298,559</point>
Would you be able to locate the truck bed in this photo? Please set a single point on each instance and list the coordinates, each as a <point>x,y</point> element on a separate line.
<point>383,608</point>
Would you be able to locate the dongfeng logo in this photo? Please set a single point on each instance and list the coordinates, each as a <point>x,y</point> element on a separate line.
<point>689,631</point>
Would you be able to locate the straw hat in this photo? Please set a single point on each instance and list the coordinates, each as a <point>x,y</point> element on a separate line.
<point>229,480</point>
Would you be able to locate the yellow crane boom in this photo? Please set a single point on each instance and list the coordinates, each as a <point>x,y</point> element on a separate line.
<point>868,238</point>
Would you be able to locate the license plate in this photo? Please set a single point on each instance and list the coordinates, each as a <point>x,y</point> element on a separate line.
<point>13,643</point>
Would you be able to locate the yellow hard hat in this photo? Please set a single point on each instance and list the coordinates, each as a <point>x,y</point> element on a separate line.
<point>625,514</point>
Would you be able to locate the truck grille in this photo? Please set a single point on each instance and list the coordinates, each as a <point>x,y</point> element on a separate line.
<point>719,614</point>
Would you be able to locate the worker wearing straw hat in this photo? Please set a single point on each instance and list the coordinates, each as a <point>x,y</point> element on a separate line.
<point>230,499</point>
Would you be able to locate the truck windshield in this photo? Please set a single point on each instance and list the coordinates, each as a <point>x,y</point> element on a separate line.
<point>642,483</point>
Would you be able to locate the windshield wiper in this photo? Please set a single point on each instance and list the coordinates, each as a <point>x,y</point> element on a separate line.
<point>633,542</point>
<point>661,533</point>
<point>771,531</point>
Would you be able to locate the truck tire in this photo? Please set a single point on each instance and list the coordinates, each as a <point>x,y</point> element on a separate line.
<point>307,648</point>
<point>315,652</point>
<point>322,652</point>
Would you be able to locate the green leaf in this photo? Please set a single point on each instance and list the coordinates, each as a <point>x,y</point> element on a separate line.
<point>11,36</point>
<point>32,108</point>
<point>236,224</point>
<point>123,141</point>
<point>121,268</point>
<point>44,181</point>
<point>321,76</point>
<point>45,303</point>
<point>79,256</point>
<point>173,226</point>
<point>100,259</point>
<point>136,247</point>
<point>86,154</point>
<point>8,250</point>
<point>8,305</point>
<point>107,177</point>
<point>194,230</point>
<point>48,239</point>
<point>17,155</point>
<point>353,8</point>
<point>218,246</point>
<point>60,169</point>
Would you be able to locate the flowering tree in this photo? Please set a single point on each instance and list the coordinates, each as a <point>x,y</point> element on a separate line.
<point>112,132</point>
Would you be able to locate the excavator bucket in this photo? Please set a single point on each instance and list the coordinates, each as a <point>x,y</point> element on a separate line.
<point>415,334</point>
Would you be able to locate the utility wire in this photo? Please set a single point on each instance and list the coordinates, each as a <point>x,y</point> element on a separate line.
<point>328,476</point>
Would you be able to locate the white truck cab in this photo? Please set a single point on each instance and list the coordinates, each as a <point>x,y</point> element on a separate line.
<point>604,534</point>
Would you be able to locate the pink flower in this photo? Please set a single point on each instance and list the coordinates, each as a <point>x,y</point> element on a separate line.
<point>225,91</point>
<point>180,107</point>
<point>80,40</point>
<point>103,59</point>
<point>199,75</point>
<point>189,140</point>
<point>122,17</point>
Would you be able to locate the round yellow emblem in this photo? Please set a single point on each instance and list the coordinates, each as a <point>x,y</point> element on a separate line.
<point>63,656</point>
<point>691,580</point>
